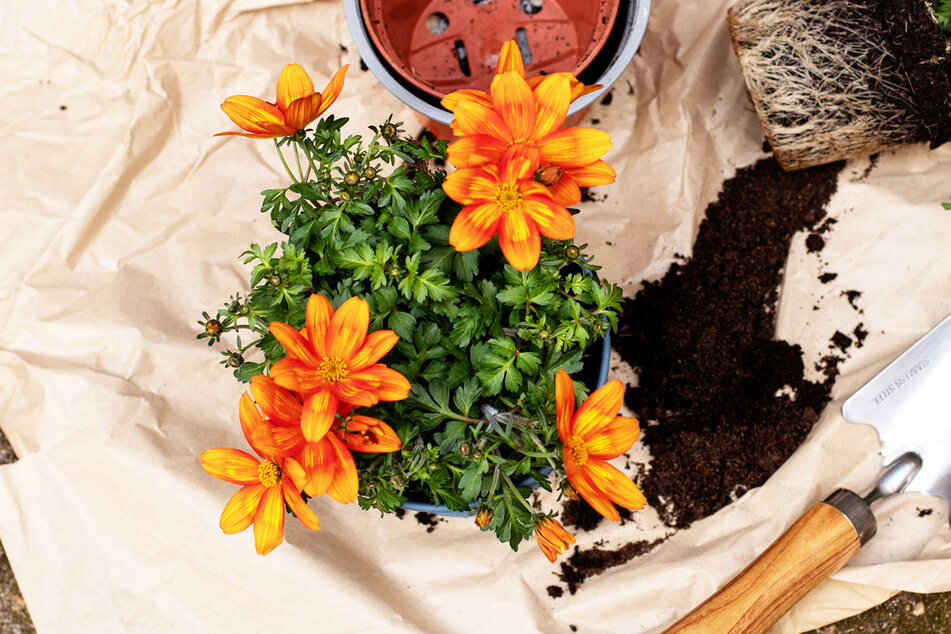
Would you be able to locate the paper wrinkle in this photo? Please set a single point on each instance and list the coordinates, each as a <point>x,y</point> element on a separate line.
<point>126,218</point>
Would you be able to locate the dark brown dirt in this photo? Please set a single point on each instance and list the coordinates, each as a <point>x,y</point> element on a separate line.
<point>714,382</point>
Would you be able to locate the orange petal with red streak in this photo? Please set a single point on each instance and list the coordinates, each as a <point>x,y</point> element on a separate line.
<point>240,510</point>
<point>619,488</point>
<point>475,150</point>
<point>319,412</point>
<point>375,347</point>
<point>513,99</point>
<point>269,521</point>
<point>614,439</point>
<point>470,185</point>
<point>249,113</point>
<point>553,220</point>
<point>574,147</point>
<point>298,506</point>
<point>332,89</point>
<point>250,418</point>
<point>317,320</point>
<point>592,175</point>
<point>510,59</point>
<point>475,116</point>
<point>302,111</point>
<point>386,439</point>
<point>297,347</point>
<point>552,97</point>
<point>564,404</point>
<point>345,484</point>
<point>599,409</point>
<point>277,403</point>
<point>231,465</point>
<point>293,84</point>
<point>475,225</point>
<point>319,462</point>
<point>391,385</point>
<point>587,490</point>
<point>348,329</point>
<point>520,242</point>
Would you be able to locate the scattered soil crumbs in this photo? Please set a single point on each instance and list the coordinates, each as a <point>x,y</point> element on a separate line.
<point>579,515</point>
<point>429,520</point>
<point>724,403</point>
<point>924,512</point>
<point>585,563</point>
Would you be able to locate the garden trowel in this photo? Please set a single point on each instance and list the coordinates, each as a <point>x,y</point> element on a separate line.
<point>909,403</point>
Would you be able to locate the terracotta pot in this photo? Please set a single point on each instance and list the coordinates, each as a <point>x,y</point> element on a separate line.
<point>422,50</point>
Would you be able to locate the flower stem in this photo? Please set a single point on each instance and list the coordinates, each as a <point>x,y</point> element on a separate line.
<point>515,493</point>
<point>284,162</point>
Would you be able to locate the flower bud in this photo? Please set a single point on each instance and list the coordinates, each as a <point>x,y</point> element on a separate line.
<point>389,131</point>
<point>465,448</point>
<point>572,252</point>
<point>398,480</point>
<point>483,517</point>
<point>213,328</point>
<point>568,490</point>
<point>275,279</point>
<point>549,175</point>
<point>369,172</point>
<point>235,360</point>
<point>351,178</point>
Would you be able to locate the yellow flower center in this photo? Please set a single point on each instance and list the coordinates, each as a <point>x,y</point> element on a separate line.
<point>333,369</point>
<point>509,198</point>
<point>579,450</point>
<point>269,473</point>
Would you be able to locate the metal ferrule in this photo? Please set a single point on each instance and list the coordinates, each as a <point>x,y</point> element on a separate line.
<point>856,511</point>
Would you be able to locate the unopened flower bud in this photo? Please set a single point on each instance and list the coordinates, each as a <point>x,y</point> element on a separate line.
<point>345,196</point>
<point>572,252</point>
<point>398,480</point>
<point>369,172</point>
<point>235,360</point>
<point>212,327</point>
<point>351,178</point>
<point>389,131</point>
<point>483,517</point>
<point>569,490</point>
<point>465,448</point>
<point>549,175</point>
<point>275,279</point>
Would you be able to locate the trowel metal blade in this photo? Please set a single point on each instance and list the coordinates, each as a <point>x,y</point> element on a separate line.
<point>909,403</point>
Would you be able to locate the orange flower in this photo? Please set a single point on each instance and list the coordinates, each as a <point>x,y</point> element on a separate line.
<point>592,435</point>
<point>505,200</point>
<point>266,487</point>
<point>552,537</point>
<point>529,112</point>
<point>326,465</point>
<point>297,105</point>
<point>332,361</point>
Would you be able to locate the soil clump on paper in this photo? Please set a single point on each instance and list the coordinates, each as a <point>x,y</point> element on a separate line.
<point>723,402</point>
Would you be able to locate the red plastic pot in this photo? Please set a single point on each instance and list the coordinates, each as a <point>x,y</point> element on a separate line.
<point>422,50</point>
<point>440,46</point>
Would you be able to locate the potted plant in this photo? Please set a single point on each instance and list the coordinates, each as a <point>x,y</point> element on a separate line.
<point>837,79</point>
<point>414,335</point>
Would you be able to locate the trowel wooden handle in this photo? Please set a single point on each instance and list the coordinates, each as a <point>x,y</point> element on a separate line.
<point>818,544</point>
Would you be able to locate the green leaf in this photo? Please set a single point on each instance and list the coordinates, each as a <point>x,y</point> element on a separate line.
<point>402,323</point>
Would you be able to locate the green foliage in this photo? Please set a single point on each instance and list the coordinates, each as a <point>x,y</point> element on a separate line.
<point>479,341</point>
<point>942,10</point>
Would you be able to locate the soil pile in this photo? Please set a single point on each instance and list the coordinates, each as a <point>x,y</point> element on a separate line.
<point>723,403</point>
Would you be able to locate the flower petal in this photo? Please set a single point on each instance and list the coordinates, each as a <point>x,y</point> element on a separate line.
<point>470,185</point>
<point>374,436</point>
<point>296,345</point>
<point>240,509</point>
<point>510,59</point>
<point>231,465</point>
<point>615,439</point>
<point>320,410</point>
<point>345,484</point>
<point>302,111</point>
<point>269,521</point>
<point>319,462</point>
<point>357,390</point>
<point>565,192</point>
<point>332,89</point>
<point>250,135</point>
<point>293,84</point>
<point>475,225</point>
<point>519,163</point>
<point>513,99</point>
<point>574,147</point>
<point>599,409</point>
<point>519,239</point>
<point>375,347</point>
<point>250,418</point>
<point>613,483</point>
<point>293,469</point>
<point>319,313</point>
<point>248,112</point>
<point>278,404</point>
<point>564,404</point>
<point>595,498</point>
<point>552,97</point>
<point>391,385</point>
<point>475,150</point>
<point>592,175</point>
<point>553,220</point>
<point>298,506</point>
<point>348,329</point>
<point>294,375</point>
<point>475,114</point>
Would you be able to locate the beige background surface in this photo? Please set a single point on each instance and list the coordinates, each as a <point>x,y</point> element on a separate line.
<point>124,218</point>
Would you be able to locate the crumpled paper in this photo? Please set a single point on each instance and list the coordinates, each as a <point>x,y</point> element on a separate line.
<point>124,219</point>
